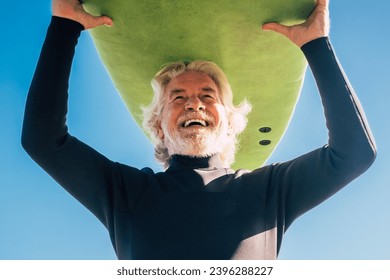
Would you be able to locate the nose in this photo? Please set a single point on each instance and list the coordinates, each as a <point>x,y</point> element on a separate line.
<point>194,104</point>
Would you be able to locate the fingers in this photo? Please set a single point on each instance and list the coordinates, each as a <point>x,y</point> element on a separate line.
<point>316,26</point>
<point>97,21</point>
<point>273,26</point>
<point>73,9</point>
<point>108,21</point>
<point>89,21</point>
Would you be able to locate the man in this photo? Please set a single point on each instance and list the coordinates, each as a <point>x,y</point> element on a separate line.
<point>192,113</point>
<point>198,208</point>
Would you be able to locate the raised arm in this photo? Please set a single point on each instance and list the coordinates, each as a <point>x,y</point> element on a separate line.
<point>90,177</point>
<point>310,179</point>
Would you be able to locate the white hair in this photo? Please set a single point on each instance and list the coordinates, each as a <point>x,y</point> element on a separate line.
<point>236,115</point>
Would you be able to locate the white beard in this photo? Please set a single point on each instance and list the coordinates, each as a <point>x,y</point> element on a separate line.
<point>197,142</point>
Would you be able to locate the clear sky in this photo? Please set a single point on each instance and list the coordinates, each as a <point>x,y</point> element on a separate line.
<point>39,220</point>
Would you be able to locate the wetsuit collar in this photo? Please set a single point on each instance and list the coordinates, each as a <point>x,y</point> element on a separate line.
<point>179,162</point>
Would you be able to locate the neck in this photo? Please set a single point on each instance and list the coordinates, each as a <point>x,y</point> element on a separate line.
<point>192,162</point>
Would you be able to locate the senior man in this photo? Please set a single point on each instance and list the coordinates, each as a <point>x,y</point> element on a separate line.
<point>198,208</point>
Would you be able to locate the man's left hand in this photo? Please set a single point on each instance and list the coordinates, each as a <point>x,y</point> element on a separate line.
<point>316,26</point>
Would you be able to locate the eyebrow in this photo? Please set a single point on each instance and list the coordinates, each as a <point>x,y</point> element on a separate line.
<point>208,89</point>
<point>176,91</point>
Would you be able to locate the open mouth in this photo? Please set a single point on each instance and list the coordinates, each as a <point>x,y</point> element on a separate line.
<point>195,122</point>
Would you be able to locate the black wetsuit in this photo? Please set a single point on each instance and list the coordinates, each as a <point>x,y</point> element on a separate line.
<point>195,209</point>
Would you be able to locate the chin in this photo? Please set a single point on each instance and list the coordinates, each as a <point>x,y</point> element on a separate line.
<point>198,146</point>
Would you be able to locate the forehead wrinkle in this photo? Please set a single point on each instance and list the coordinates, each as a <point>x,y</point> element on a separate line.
<point>210,85</point>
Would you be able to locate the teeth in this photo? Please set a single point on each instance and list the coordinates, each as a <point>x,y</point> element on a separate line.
<point>189,122</point>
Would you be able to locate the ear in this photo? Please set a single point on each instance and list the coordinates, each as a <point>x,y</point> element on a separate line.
<point>159,131</point>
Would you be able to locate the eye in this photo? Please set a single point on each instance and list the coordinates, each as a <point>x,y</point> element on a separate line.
<point>208,93</point>
<point>178,99</point>
<point>208,96</point>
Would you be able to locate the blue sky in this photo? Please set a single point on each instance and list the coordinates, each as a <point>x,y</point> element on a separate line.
<point>39,220</point>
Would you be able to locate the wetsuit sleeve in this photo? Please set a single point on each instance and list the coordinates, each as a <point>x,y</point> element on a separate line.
<point>98,183</point>
<point>310,179</point>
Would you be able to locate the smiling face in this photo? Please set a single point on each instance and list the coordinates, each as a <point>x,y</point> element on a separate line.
<point>194,120</point>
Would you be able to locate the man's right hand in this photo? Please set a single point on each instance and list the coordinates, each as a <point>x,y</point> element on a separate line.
<point>72,9</point>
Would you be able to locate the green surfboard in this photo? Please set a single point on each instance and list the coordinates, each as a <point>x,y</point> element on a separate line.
<point>263,67</point>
